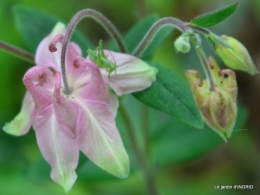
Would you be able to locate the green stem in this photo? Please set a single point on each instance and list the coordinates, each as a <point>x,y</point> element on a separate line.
<point>204,61</point>
<point>145,127</point>
<point>157,26</point>
<point>140,159</point>
<point>17,52</point>
<point>199,29</point>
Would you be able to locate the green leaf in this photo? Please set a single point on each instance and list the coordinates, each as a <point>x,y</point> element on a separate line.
<point>176,143</point>
<point>169,94</point>
<point>213,18</point>
<point>35,25</point>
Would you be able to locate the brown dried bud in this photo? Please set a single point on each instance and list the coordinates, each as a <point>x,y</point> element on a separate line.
<point>217,103</point>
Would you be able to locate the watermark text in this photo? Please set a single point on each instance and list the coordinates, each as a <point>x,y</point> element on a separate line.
<point>229,187</point>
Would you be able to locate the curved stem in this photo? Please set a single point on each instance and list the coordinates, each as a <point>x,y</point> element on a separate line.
<point>167,21</point>
<point>140,159</point>
<point>199,29</point>
<point>17,51</point>
<point>109,27</point>
<point>204,61</point>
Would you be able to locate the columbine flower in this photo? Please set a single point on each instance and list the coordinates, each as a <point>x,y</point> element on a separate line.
<point>83,120</point>
<point>217,104</point>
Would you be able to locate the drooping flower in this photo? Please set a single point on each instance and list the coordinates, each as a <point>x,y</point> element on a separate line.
<point>83,120</point>
<point>217,104</point>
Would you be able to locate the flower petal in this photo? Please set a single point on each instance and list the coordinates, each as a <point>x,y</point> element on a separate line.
<point>74,70</point>
<point>113,103</point>
<point>58,147</point>
<point>100,140</point>
<point>39,82</point>
<point>21,124</point>
<point>92,85</point>
<point>43,55</point>
<point>132,74</point>
<point>65,109</point>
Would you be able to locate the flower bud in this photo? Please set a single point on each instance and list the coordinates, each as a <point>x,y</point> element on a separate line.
<point>236,57</point>
<point>218,102</point>
<point>182,44</point>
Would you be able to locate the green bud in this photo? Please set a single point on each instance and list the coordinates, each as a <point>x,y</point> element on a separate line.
<point>217,104</point>
<point>182,44</point>
<point>236,57</point>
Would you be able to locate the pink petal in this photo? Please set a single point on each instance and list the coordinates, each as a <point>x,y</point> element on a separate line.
<point>58,147</point>
<point>74,70</point>
<point>92,85</point>
<point>65,109</point>
<point>43,55</point>
<point>99,138</point>
<point>39,82</point>
<point>131,75</point>
<point>21,124</point>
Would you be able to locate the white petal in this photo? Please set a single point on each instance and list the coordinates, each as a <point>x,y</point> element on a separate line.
<point>114,104</point>
<point>22,123</point>
<point>58,146</point>
<point>100,140</point>
<point>131,74</point>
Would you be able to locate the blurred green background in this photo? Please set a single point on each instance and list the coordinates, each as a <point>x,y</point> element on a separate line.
<point>185,160</point>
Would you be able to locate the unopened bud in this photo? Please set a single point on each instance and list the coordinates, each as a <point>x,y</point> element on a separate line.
<point>236,57</point>
<point>217,103</point>
<point>182,44</point>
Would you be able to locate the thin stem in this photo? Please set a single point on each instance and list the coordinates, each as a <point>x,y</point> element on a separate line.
<point>204,61</point>
<point>106,24</point>
<point>141,8</point>
<point>145,127</point>
<point>199,29</point>
<point>140,159</point>
<point>167,21</point>
<point>17,51</point>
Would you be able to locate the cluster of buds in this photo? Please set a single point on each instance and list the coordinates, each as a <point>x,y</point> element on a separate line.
<point>217,103</point>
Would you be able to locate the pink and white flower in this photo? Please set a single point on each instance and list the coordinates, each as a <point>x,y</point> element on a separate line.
<point>83,120</point>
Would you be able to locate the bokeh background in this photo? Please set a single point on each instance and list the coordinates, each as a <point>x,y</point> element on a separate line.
<point>185,160</point>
